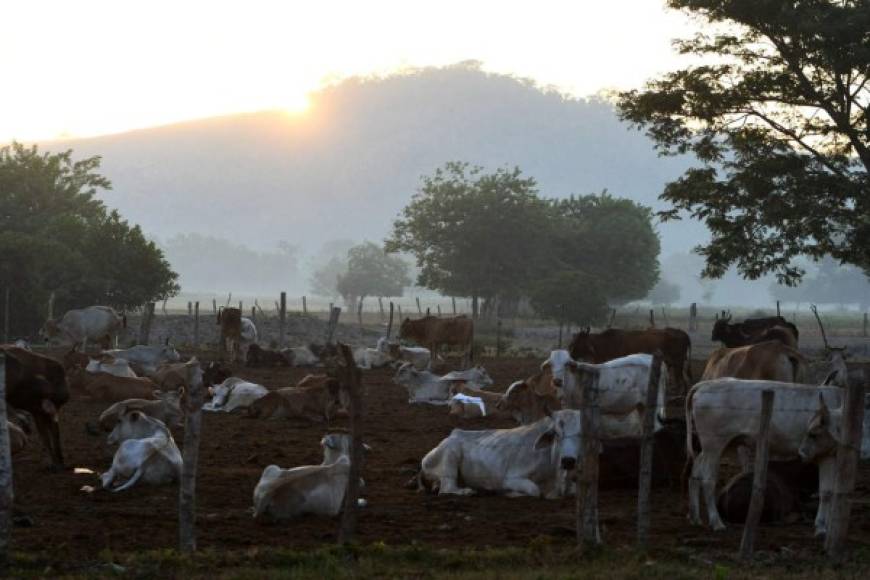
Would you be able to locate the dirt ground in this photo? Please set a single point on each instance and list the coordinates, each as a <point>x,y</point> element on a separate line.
<point>69,523</point>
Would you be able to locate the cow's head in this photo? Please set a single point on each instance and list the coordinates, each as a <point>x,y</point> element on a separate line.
<point>564,438</point>
<point>214,374</point>
<point>49,330</point>
<point>526,402</point>
<point>406,374</point>
<point>337,445</point>
<point>819,440</point>
<point>134,425</point>
<point>582,346</point>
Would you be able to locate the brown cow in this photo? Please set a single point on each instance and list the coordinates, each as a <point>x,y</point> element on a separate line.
<point>433,333</point>
<point>766,361</point>
<point>754,330</point>
<point>675,345</point>
<point>109,388</point>
<point>531,400</point>
<point>37,384</point>
<point>230,320</point>
<point>315,397</point>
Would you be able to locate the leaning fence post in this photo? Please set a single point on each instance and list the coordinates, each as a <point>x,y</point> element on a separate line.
<point>390,323</point>
<point>145,324</point>
<point>646,451</point>
<point>189,308</point>
<point>846,469</point>
<point>6,490</point>
<point>190,456</point>
<point>759,477</point>
<point>587,489</point>
<point>381,307</point>
<point>282,320</point>
<point>419,308</point>
<point>196,324</point>
<point>350,378</point>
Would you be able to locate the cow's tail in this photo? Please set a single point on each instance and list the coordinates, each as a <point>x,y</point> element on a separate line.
<point>797,360</point>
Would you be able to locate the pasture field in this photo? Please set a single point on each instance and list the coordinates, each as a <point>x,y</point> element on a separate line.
<point>400,533</point>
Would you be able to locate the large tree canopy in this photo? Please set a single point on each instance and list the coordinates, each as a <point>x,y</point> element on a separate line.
<point>372,272</point>
<point>56,237</point>
<point>778,119</point>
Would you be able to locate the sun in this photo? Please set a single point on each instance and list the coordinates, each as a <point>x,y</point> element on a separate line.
<point>297,105</point>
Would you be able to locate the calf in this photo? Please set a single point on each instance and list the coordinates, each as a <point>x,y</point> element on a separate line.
<point>234,393</point>
<point>109,388</point>
<point>37,384</point>
<point>167,409</point>
<point>147,452</point>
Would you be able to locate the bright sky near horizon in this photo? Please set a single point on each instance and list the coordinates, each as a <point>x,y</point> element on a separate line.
<point>76,69</point>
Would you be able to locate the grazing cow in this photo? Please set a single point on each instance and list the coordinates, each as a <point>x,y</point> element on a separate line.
<point>317,399</point>
<point>426,387</point>
<point>674,344</point>
<point>264,357</point>
<point>284,494</point>
<point>723,412</point>
<point>526,402</point>
<point>167,409</point>
<point>109,388</point>
<point>144,359</point>
<point>433,333</point>
<point>767,361</point>
<point>300,356</point>
<point>234,393</point>
<point>146,453</point>
<point>95,323</point>
<point>37,384</point>
<point>110,366</point>
<point>754,330</point>
<point>532,460</point>
<point>622,385</point>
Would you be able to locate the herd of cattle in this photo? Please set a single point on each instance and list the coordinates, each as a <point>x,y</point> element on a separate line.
<point>145,388</point>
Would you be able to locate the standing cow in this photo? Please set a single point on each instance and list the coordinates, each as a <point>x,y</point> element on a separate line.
<point>96,323</point>
<point>237,333</point>
<point>433,333</point>
<point>754,330</point>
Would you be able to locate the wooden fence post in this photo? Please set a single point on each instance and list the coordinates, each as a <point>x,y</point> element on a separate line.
<point>190,455</point>
<point>145,324</point>
<point>189,308</point>
<point>6,301</point>
<point>453,298</point>
<point>777,308</point>
<point>399,308</point>
<point>282,320</point>
<point>196,324</point>
<point>759,477</point>
<point>848,452</point>
<point>329,312</point>
<point>438,307</point>
<point>587,488</point>
<point>390,323</point>
<point>381,307</point>
<point>646,451</point>
<point>498,338</point>
<point>333,323</point>
<point>419,308</point>
<point>665,316</point>
<point>561,318</point>
<point>359,309</point>
<point>350,378</point>
<point>241,307</point>
<point>51,306</point>
<point>7,492</point>
<point>253,314</point>
<point>304,306</point>
<point>214,305</point>
<point>652,318</point>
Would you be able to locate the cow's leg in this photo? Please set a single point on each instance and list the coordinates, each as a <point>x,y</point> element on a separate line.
<point>695,492</point>
<point>520,486</point>
<point>708,474</point>
<point>827,470</point>
<point>449,486</point>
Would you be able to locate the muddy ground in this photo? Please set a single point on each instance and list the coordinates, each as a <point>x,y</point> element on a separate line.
<point>72,524</point>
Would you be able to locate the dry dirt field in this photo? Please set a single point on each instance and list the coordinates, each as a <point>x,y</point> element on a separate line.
<point>71,524</point>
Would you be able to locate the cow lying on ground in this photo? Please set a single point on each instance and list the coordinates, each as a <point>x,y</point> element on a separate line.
<point>300,356</point>
<point>234,393</point>
<point>426,387</point>
<point>147,453</point>
<point>433,333</point>
<point>166,408</point>
<point>264,357</point>
<point>526,402</point>
<point>109,388</point>
<point>468,403</point>
<point>145,360</point>
<point>726,411</point>
<point>110,366</point>
<point>754,330</point>
<point>99,324</point>
<point>318,399</point>
<point>769,361</point>
<point>284,494</point>
<point>531,460</point>
<point>418,356</point>
<point>37,384</point>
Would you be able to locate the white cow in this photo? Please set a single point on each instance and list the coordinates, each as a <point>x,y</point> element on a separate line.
<point>232,394</point>
<point>111,366</point>
<point>727,411</point>
<point>145,358</point>
<point>248,336</point>
<point>426,387</point>
<point>147,452</point>
<point>531,460</point>
<point>310,489</point>
<point>300,356</point>
<point>622,386</point>
<point>95,323</point>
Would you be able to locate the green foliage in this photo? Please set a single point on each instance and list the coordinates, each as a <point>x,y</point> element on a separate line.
<point>372,272</point>
<point>55,236</point>
<point>664,292</point>
<point>778,120</point>
<point>492,236</point>
<point>570,296</point>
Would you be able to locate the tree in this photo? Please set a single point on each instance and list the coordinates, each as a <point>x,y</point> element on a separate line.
<point>570,296</point>
<point>372,272</point>
<point>778,120</point>
<point>327,265</point>
<point>831,284</point>
<point>664,292</point>
<point>56,237</point>
<point>475,234</point>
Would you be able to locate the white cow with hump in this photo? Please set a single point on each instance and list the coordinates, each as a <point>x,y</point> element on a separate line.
<point>77,327</point>
<point>725,412</point>
<point>532,460</point>
<point>147,453</point>
<point>622,386</point>
<point>146,359</point>
<point>427,387</point>
<point>234,393</point>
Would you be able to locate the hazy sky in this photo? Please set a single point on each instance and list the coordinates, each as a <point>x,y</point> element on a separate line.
<point>91,67</point>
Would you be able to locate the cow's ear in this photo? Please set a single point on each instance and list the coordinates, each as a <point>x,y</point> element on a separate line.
<point>545,439</point>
